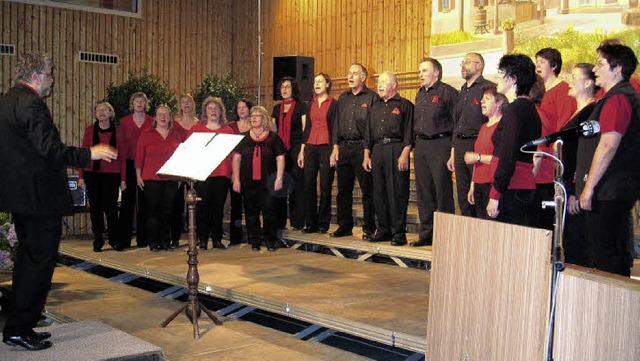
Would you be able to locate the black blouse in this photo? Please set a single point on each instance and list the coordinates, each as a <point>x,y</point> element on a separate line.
<point>270,148</point>
<point>296,120</point>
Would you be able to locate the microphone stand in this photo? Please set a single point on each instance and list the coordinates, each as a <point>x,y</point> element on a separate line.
<point>557,254</point>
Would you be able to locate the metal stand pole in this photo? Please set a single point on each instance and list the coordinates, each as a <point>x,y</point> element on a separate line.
<point>193,306</point>
<point>557,254</point>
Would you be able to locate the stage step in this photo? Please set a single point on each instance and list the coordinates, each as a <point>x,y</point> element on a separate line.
<point>87,341</point>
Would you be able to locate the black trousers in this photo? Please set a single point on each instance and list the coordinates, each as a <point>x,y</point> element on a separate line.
<point>464,173</point>
<point>608,236</point>
<point>210,210</point>
<point>258,200</point>
<point>516,207</point>
<point>235,220</point>
<point>433,181</point>
<point>391,188</point>
<point>159,197</point>
<point>177,214</point>
<point>575,243</point>
<point>544,218</point>
<point>132,204</point>
<point>349,168</point>
<point>481,197</point>
<point>102,190</point>
<point>38,241</point>
<point>316,160</point>
<point>296,200</point>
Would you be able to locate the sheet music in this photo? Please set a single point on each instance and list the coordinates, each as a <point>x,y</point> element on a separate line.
<point>200,155</point>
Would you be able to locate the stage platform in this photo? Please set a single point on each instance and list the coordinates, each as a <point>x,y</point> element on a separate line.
<point>374,301</point>
<point>78,295</point>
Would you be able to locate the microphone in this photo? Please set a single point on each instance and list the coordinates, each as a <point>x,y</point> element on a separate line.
<point>586,129</point>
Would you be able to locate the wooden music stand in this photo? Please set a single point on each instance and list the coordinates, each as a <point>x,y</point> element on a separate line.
<point>194,160</point>
<point>193,306</point>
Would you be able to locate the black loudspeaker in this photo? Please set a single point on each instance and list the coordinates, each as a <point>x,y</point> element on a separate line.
<point>298,67</point>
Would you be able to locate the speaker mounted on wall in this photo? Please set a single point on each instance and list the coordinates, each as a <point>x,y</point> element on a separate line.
<point>298,67</point>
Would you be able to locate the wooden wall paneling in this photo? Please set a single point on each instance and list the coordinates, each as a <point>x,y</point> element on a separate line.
<point>596,316</point>
<point>173,32</point>
<point>489,290</point>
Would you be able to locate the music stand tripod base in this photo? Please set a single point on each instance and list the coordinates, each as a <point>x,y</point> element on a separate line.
<point>193,306</point>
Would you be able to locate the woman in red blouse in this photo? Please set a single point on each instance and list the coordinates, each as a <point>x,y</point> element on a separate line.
<point>212,191</point>
<point>102,179</point>
<point>182,125</point>
<point>493,104</point>
<point>314,156</point>
<point>155,146</point>
<point>132,126</point>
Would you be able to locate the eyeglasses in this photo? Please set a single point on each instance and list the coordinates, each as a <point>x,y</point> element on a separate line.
<point>467,62</point>
<point>285,87</point>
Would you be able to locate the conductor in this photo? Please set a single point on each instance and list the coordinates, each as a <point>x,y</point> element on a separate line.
<point>33,187</point>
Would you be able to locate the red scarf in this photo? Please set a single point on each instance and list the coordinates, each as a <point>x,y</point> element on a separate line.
<point>256,161</point>
<point>284,128</point>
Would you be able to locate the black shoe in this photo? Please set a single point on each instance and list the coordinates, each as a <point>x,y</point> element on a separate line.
<point>380,237</point>
<point>30,342</point>
<point>342,232</point>
<point>420,243</point>
<point>255,247</point>
<point>41,336</point>
<point>366,236</point>
<point>97,249</point>
<point>399,241</point>
<point>154,249</point>
<point>175,244</point>
<point>322,230</point>
<point>218,245</point>
<point>310,230</point>
<point>202,246</point>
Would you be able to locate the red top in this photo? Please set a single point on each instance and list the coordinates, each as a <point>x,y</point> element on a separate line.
<point>153,151</point>
<point>131,133</point>
<point>319,131</point>
<point>555,111</point>
<point>224,169</point>
<point>633,81</point>
<point>522,177</point>
<point>115,166</point>
<point>615,115</point>
<point>483,173</point>
<point>180,129</point>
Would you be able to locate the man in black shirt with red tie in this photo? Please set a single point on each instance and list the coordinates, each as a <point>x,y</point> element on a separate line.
<point>432,128</point>
<point>468,119</point>
<point>388,141</point>
<point>348,151</point>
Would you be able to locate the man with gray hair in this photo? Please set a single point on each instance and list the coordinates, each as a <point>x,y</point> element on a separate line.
<point>388,141</point>
<point>33,188</point>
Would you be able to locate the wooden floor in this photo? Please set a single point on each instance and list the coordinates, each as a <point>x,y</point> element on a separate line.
<point>379,302</point>
<point>80,295</point>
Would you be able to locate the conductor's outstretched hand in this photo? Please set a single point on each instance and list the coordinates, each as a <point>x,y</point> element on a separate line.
<point>103,152</point>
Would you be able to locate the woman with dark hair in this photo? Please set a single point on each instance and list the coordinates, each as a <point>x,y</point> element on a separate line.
<point>102,179</point>
<point>241,125</point>
<point>315,153</point>
<point>513,187</point>
<point>289,118</point>
<point>258,156</point>
<point>131,204</point>
<point>582,87</point>
<point>213,190</point>
<point>182,125</point>
<point>493,105</point>
<point>154,148</point>
<point>607,170</point>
